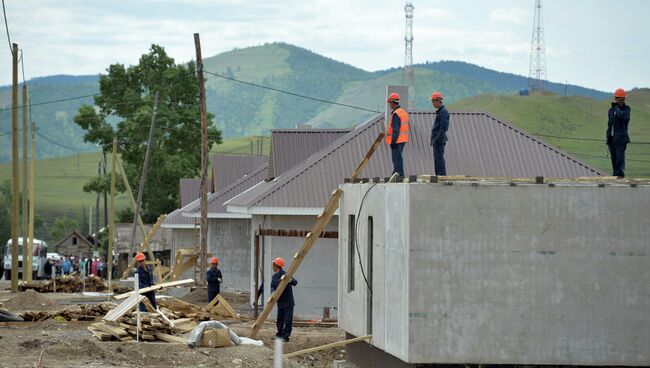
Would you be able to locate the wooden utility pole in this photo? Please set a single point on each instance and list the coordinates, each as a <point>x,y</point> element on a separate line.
<point>31,199</point>
<point>129,191</point>
<point>27,255</point>
<point>143,177</point>
<point>111,214</point>
<point>14,178</point>
<point>204,160</point>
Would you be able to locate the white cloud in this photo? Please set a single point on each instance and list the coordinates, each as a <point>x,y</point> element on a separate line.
<point>515,15</point>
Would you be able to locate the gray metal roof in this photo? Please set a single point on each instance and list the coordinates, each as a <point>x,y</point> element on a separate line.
<point>176,219</point>
<point>479,145</point>
<point>290,147</point>
<point>217,199</point>
<point>226,169</point>
<point>189,190</point>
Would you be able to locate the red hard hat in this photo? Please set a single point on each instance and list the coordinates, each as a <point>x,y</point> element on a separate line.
<point>139,256</point>
<point>393,97</point>
<point>435,95</point>
<point>214,260</point>
<point>620,93</point>
<point>279,262</point>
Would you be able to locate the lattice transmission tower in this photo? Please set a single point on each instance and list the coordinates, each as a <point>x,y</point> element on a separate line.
<point>537,74</point>
<point>408,55</point>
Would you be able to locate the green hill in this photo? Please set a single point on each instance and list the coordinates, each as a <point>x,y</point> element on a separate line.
<point>245,110</point>
<point>579,118</point>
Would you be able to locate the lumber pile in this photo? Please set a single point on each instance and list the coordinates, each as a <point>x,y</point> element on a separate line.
<point>72,284</point>
<point>183,309</point>
<point>87,312</point>
<point>153,327</point>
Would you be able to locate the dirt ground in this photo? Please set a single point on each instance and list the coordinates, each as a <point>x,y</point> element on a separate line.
<point>69,344</point>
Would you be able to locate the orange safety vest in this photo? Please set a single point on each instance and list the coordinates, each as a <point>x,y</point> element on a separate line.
<point>403,129</point>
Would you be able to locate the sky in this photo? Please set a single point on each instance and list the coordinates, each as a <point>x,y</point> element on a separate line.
<point>593,43</point>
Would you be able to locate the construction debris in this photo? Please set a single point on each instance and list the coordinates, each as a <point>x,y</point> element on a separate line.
<point>183,309</point>
<point>86,312</point>
<point>153,327</point>
<point>71,284</point>
<point>156,287</point>
<point>328,346</point>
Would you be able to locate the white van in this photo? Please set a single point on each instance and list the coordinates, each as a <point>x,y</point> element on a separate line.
<point>39,258</point>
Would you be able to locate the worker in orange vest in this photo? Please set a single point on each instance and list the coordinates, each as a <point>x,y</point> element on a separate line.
<point>398,132</point>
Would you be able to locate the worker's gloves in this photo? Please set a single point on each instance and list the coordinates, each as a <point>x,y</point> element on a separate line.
<point>219,279</point>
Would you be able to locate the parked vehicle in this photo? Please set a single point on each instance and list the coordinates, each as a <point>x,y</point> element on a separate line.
<point>39,257</point>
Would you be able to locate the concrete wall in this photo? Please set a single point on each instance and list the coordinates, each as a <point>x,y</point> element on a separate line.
<point>229,240</point>
<point>317,275</point>
<point>530,274</point>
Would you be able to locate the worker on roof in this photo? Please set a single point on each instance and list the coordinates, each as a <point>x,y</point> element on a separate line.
<point>398,132</point>
<point>285,302</point>
<point>145,279</point>
<point>213,277</point>
<point>439,133</point>
<point>616,135</point>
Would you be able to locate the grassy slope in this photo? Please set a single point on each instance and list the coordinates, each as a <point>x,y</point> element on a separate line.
<point>573,117</point>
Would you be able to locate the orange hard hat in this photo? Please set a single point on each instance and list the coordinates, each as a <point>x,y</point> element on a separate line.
<point>139,256</point>
<point>214,260</point>
<point>279,262</point>
<point>393,97</point>
<point>437,95</point>
<point>620,93</point>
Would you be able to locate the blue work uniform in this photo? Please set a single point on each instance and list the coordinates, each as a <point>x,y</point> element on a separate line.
<point>213,277</point>
<point>145,279</point>
<point>617,137</point>
<point>285,305</point>
<point>439,139</point>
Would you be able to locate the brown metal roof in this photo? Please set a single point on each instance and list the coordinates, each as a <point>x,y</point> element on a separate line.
<point>290,147</point>
<point>189,190</point>
<point>226,169</point>
<point>479,145</point>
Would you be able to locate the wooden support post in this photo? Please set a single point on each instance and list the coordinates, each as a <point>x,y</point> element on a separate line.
<point>31,196</point>
<point>143,176</point>
<point>111,216</point>
<point>125,180</point>
<point>328,346</point>
<point>256,271</point>
<point>14,171</point>
<point>310,239</point>
<point>204,158</point>
<point>27,256</point>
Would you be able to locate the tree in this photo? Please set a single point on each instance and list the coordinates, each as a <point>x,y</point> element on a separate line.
<point>61,227</point>
<point>127,94</point>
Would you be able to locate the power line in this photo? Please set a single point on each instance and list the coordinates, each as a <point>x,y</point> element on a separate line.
<point>604,157</point>
<point>580,138</point>
<point>52,101</point>
<point>65,146</point>
<point>290,93</point>
<point>7,27</point>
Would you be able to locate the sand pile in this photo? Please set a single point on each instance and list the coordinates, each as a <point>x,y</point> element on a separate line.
<point>29,300</point>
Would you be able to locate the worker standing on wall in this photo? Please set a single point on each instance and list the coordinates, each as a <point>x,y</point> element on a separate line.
<point>285,302</point>
<point>213,277</point>
<point>398,132</point>
<point>145,279</point>
<point>616,136</point>
<point>439,133</point>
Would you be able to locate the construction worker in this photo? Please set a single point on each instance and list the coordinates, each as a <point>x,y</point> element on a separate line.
<point>398,132</point>
<point>616,136</point>
<point>213,276</point>
<point>145,279</point>
<point>285,302</point>
<point>439,133</point>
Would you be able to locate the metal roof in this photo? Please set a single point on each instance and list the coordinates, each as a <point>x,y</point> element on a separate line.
<point>189,190</point>
<point>176,220</point>
<point>216,200</point>
<point>479,145</point>
<point>290,147</point>
<point>226,169</point>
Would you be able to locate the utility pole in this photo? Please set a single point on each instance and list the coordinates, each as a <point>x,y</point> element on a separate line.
<point>204,159</point>
<point>111,213</point>
<point>105,192</point>
<point>14,178</point>
<point>99,173</point>
<point>31,200</point>
<point>27,256</point>
<point>143,177</point>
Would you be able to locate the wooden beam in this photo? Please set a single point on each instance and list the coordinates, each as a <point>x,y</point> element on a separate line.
<point>155,287</point>
<point>170,338</point>
<point>297,233</point>
<point>310,239</point>
<point>328,346</point>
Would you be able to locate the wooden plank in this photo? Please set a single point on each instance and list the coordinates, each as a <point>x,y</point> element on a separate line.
<point>124,307</point>
<point>170,338</point>
<point>223,302</point>
<point>323,347</point>
<point>155,287</point>
<point>367,157</point>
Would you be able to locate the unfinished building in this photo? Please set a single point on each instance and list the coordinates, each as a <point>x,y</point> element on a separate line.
<point>496,271</point>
